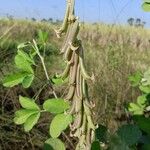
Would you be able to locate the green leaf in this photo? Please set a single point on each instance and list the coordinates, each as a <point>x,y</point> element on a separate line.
<point>95,146</point>
<point>43,36</point>
<point>31,121</point>
<point>54,144</point>
<point>145,89</point>
<point>27,81</point>
<point>59,124</point>
<point>100,133</point>
<point>26,56</point>
<point>135,79</point>
<point>14,79</point>
<point>58,80</point>
<point>143,123</point>
<point>22,115</point>
<point>56,106</point>
<point>135,109</point>
<point>130,134</point>
<point>28,103</point>
<point>23,64</point>
<point>146,6</point>
<point>141,100</point>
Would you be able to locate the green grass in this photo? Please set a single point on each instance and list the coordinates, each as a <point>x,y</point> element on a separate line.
<point>111,52</point>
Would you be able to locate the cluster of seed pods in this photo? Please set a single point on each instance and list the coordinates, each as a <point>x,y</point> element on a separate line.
<point>81,107</point>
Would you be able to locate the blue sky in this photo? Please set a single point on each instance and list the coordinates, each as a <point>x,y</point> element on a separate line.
<point>108,11</point>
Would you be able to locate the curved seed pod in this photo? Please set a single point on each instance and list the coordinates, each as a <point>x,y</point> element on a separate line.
<point>64,26</point>
<point>84,125</point>
<point>74,32</point>
<point>67,54</point>
<point>83,70</point>
<point>78,121</point>
<point>67,37</point>
<point>79,103</point>
<point>88,136</point>
<point>85,88</point>
<point>71,92</point>
<point>71,12</point>
<point>74,70</point>
<point>87,110</point>
<point>78,82</point>
<point>90,122</point>
<point>71,35</point>
<point>65,73</point>
<point>72,109</point>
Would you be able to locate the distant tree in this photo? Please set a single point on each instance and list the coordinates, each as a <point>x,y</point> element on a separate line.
<point>33,19</point>
<point>50,20</point>
<point>138,22</point>
<point>43,20</point>
<point>130,21</point>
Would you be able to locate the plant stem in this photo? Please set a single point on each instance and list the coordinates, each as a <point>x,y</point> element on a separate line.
<point>44,67</point>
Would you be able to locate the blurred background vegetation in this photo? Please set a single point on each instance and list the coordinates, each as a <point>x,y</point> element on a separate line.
<point>112,52</point>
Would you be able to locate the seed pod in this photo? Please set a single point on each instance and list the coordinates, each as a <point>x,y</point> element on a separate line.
<point>74,32</point>
<point>78,82</point>
<point>65,73</point>
<point>84,126</point>
<point>72,109</point>
<point>83,70</point>
<point>71,92</point>
<point>78,121</point>
<point>85,89</point>
<point>71,11</point>
<point>79,103</point>
<point>90,122</point>
<point>64,26</point>
<point>88,136</point>
<point>67,54</point>
<point>74,69</point>
<point>65,44</point>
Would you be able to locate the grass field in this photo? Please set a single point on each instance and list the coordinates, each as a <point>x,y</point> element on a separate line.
<point>112,53</point>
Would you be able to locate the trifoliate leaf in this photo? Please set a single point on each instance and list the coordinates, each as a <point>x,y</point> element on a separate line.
<point>54,144</point>
<point>145,89</point>
<point>23,64</point>
<point>135,109</point>
<point>28,103</point>
<point>26,56</point>
<point>22,115</point>
<point>59,124</point>
<point>14,79</point>
<point>56,106</point>
<point>141,100</point>
<point>31,121</point>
